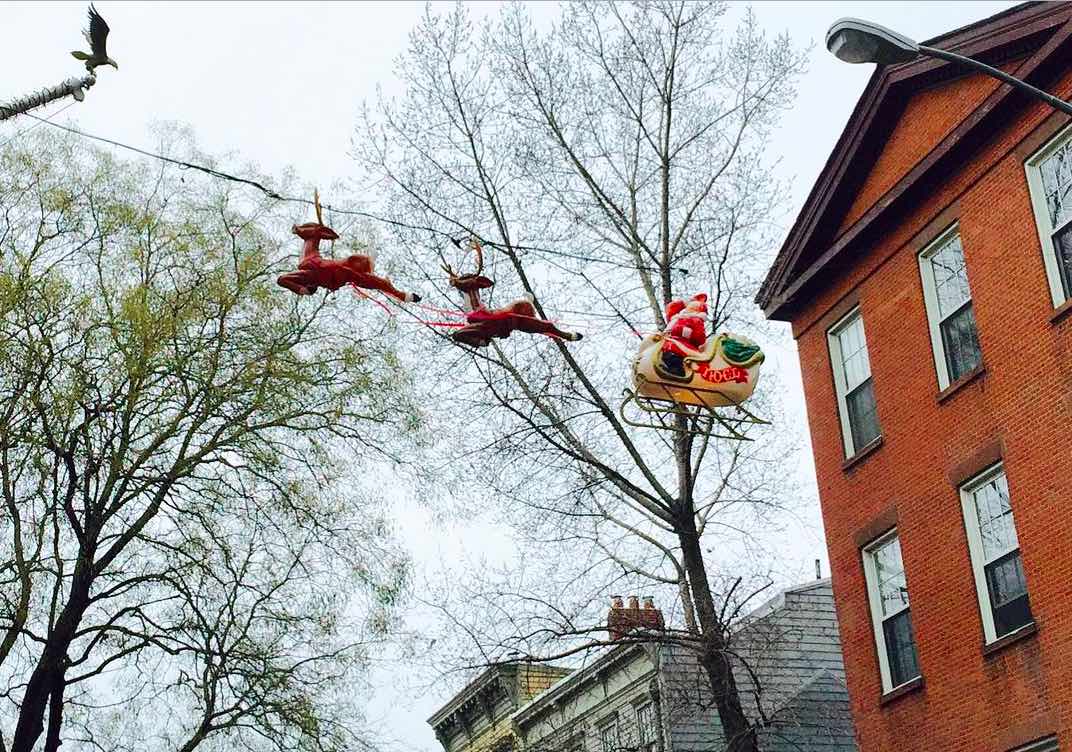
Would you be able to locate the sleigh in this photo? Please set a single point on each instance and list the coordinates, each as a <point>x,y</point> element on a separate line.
<point>701,393</point>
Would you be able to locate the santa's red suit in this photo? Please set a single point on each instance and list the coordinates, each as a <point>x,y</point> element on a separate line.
<point>686,326</point>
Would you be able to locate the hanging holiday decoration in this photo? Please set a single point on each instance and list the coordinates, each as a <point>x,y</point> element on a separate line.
<point>315,271</point>
<point>682,376</point>
<point>483,324</point>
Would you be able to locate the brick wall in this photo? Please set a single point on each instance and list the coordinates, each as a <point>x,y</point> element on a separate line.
<point>535,678</point>
<point>1021,407</point>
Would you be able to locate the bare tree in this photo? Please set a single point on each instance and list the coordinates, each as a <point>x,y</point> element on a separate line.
<point>609,164</point>
<point>187,555</point>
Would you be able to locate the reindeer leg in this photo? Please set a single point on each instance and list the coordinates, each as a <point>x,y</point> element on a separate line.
<point>299,282</point>
<point>384,285</point>
<point>534,325</point>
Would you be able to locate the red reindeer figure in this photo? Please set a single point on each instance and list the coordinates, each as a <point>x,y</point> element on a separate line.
<point>483,324</point>
<point>315,271</point>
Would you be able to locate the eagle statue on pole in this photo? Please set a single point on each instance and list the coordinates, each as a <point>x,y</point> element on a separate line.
<point>97,36</point>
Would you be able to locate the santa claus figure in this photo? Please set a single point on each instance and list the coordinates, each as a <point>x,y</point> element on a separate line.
<point>685,333</point>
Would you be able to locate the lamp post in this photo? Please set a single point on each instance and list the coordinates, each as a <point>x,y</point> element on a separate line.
<point>853,40</point>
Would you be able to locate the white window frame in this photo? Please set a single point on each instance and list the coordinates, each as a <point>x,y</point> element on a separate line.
<point>874,599</point>
<point>930,301</point>
<point>841,387</point>
<point>1042,213</point>
<point>975,548</point>
<point>1046,744</point>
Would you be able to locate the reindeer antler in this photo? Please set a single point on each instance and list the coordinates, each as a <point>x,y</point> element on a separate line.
<point>443,262</point>
<point>474,244</point>
<point>479,255</point>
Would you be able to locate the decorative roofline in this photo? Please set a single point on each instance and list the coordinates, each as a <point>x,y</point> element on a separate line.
<point>809,247</point>
<point>491,677</point>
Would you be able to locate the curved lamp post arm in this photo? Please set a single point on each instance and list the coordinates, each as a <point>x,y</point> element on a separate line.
<point>854,40</point>
<point>1050,99</point>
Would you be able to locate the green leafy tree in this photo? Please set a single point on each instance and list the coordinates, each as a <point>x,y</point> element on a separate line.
<point>187,553</point>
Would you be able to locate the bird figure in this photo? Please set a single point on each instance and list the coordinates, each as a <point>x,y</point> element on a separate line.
<point>97,36</point>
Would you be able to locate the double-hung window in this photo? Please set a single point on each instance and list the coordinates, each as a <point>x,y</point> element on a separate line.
<point>887,591</point>
<point>853,384</point>
<point>1049,177</point>
<point>949,308</point>
<point>608,736</point>
<point>645,723</point>
<point>995,554</point>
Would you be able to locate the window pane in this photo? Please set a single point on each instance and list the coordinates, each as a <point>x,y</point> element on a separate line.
<point>901,648</point>
<point>608,736</point>
<point>892,588</point>
<point>1062,242</point>
<point>863,414</point>
<point>996,526</point>
<point>1013,615</point>
<point>950,277</point>
<point>646,723</point>
<point>961,342</point>
<point>1057,182</point>
<point>1005,579</point>
<point>853,346</point>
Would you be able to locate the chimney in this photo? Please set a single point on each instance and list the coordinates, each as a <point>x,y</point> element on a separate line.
<point>621,619</point>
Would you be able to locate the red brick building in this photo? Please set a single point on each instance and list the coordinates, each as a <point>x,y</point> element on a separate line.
<point>928,281</point>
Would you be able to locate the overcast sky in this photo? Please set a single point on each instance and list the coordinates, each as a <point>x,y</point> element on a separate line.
<point>280,83</point>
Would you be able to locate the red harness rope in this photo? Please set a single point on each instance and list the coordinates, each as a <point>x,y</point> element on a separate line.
<point>390,312</point>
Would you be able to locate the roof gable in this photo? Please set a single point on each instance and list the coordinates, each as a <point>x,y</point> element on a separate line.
<point>928,117</point>
<point>841,208</point>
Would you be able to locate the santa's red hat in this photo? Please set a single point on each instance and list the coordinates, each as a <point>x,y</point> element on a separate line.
<point>696,304</point>
<point>673,308</point>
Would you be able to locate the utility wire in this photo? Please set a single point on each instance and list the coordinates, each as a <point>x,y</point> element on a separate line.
<point>351,212</point>
<point>29,128</point>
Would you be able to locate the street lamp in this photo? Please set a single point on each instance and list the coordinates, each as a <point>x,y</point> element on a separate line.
<point>853,40</point>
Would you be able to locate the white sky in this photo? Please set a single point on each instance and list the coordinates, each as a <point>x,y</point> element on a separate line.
<point>281,84</point>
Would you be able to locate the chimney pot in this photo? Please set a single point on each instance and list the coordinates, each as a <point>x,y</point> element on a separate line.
<point>621,621</point>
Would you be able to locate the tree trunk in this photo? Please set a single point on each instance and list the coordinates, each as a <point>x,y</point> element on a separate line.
<point>55,716</point>
<point>51,667</point>
<point>740,736</point>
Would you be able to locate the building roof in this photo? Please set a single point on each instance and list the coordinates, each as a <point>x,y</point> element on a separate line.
<point>793,687</point>
<point>1039,33</point>
<point>501,678</point>
<point>791,642</point>
<point>576,681</point>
